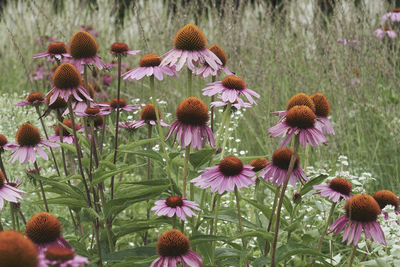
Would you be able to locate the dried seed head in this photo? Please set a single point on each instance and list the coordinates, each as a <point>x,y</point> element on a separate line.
<point>230,166</point>
<point>190,38</point>
<point>28,135</point>
<point>66,76</point>
<point>192,111</point>
<point>219,52</point>
<point>58,104</point>
<point>114,103</point>
<point>57,48</point>
<point>362,208</point>
<point>297,197</point>
<point>150,60</point>
<point>119,48</point>
<point>281,158</point>
<point>300,99</point>
<point>301,117</point>
<point>259,164</point>
<point>172,243</point>
<point>386,197</point>
<point>3,140</point>
<point>16,250</point>
<point>322,106</point>
<point>59,254</point>
<point>82,45</point>
<point>234,82</point>
<point>174,201</point>
<point>148,113</point>
<point>35,97</point>
<point>67,123</point>
<point>341,185</point>
<point>92,110</point>
<point>43,228</point>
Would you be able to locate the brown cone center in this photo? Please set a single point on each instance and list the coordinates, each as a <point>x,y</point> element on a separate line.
<point>322,106</point>
<point>114,103</point>
<point>190,38</point>
<point>234,82</point>
<point>150,60</point>
<point>281,158</point>
<point>16,250</point>
<point>219,52</point>
<point>82,45</point>
<point>172,243</point>
<point>341,185</point>
<point>192,111</point>
<point>3,140</point>
<point>35,97</point>
<point>28,135</point>
<point>148,113</point>
<point>59,254</point>
<point>301,117</point>
<point>119,48</point>
<point>66,76</point>
<point>43,228</point>
<point>300,99</point>
<point>230,166</point>
<point>174,201</point>
<point>57,48</point>
<point>259,164</point>
<point>362,208</point>
<point>386,197</point>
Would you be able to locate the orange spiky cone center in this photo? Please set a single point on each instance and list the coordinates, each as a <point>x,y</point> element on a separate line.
<point>192,111</point>
<point>57,48</point>
<point>16,250</point>
<point>59,254</point>
<point>234,82</point>
<point>119,48</point>
<point>386,197</point>
<point>28,135</point>
<point>300,99</point>
<point>43,228</point>
<point>219,52</point>
<point>281,158</point>
<point>190,38</point>
<point>301,117</point>
<point>174,201</point>
<point>322,106</point>
<point>82,45</point>
<point>362,208</point>
<point>172,243</point>
<point>341,185</point>
<point>148,113</point>
<point>150,60</point>
<point>230,166</point>
<point>67,76</point>
<point>259,164</point>
<point>35,97</point>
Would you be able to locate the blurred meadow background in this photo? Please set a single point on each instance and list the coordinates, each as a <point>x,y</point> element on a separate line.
<point>278,47</point>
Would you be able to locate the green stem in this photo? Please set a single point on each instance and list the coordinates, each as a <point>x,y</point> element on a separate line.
<point>185,171</point>
<point>226,136</point>
<point>12,217</point>
<point>277,190</point>
<point>212,108</point>
<point>278,214</point>
<point>116,124</point>
<point>227,114</point>
<point>160,131</point>
<point>325,229</point>
<point>214,230</point>
<point>353,252</point>
<point>239,216</point>
<point>190,82</point>
<point>41,188</point>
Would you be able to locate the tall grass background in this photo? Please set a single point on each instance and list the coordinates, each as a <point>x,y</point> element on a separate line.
<point>278,55</point>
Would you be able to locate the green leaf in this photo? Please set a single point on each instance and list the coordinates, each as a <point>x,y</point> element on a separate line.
<point>316,181</point>
<point>196,239</point>
<point>101,175</point>
<point>69,147</point>
<point>288,250</point>
<point>145,153</point>
<point>138,226</point>
<point>230,215</point>
<point>137,144</point>
<point>201,157</point>
<point>119,256</point>
<point>71,202</point>
<point>286,201</point>
<point>130,195</point>
<point>255,233</point>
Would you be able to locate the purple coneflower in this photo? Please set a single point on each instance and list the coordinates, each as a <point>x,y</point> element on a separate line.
<point>62,257</point>
<point>299,120</point>
<point>92,112</point>
<point>67,136</point>
<point>190,48</point>
<point>258,164</point>
<point>67,81</point>
<point>206,70</point>
<point>361,215</point>
<point>387,198</point>
<point>147,117</point>
<point>275,170</point>
<point>382,32</point>
<point>175,205</point>
<point>230,172</point>
<point>8,192</point>
<point>113,105</point>
<point>230,88</point>
<point>337,189</point>
<point>33,99</point>
<point>28,140</point>
<point>83,50</point>
<point>39,74</point>
<point>17,250</point>
<point>122,49</point>
<point>149,65</point>
<point>106,79</point>
<point>322,110</point>
<point>348,42</point>
<point>174,247</point>
<point>44,229</point>
<point>394,15</point>
<point>190,126</point>
<point>239,103</point>
<point>4,145</point>
<point>299,99</point>
<point>55,51</point>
